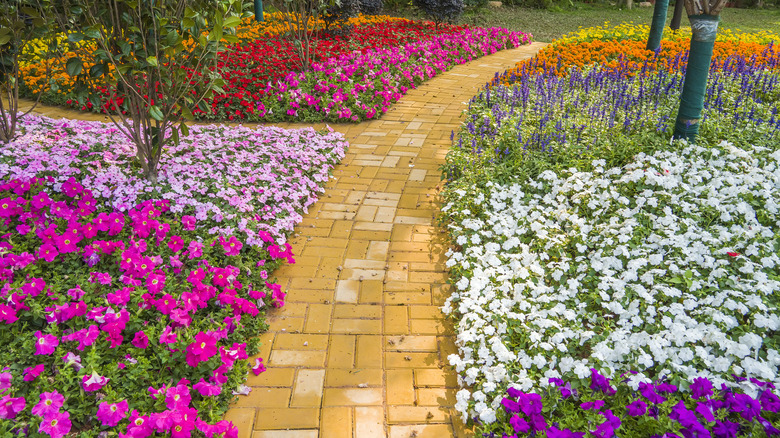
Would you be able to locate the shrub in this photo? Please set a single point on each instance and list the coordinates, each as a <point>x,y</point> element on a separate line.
<point>339,13</point>
<point>371,7</point>
<point>441,11</point>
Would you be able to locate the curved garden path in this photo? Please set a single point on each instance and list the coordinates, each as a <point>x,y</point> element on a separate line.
<point>360,348</point>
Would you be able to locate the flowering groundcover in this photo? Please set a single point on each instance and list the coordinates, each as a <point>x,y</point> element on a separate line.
<point>353,78</point>
<point>125,312</point>
<point>589,249</point>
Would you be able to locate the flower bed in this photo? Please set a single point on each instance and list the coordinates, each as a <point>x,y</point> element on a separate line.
<point>610,46</point>
<point>589,248</point>
<point>129,308</point>
<point>368,70</point>
<point>238,180</point>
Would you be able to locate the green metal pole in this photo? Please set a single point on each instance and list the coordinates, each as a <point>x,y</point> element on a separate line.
<point>705,29</point>
<point>657,26</point>
<point>259,10</point>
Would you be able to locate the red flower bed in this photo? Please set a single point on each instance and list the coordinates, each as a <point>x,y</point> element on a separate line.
<point>251,65</point>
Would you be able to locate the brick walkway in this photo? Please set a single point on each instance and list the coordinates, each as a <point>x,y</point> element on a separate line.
<point>360,348</point>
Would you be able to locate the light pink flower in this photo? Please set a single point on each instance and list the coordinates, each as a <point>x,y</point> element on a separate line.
<point>93,382</point>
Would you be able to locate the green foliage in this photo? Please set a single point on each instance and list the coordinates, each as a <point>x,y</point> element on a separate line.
<point>161,56</point>
<point>20,22</point>
<point>441,11</point>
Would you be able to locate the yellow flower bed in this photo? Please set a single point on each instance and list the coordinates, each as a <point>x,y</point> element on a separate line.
<point>640,32</point>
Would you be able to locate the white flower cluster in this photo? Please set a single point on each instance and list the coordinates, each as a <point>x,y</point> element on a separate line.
<point>668,266</point>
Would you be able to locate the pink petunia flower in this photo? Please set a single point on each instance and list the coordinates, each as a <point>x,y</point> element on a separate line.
<point>175,243</point>
<point>188,223</point>
<point>110,414</point>
<point>155,282</point>
<point>57,426</point>
<point>49,404</point>
<point>8,314</point>
<point>32,373</point>
<point>207,389</point>
<point>202,349</point>
<point>140,340</point>
<point>45,344</point>
<point>93,382</point>
<point>48,252</point>
<point>258,366</point>
<point>140,426</point>
<point>5,381</point>
<point>178,397</point>
<point>11,406</point>
<point>167,336</point>
<point>196,249</point>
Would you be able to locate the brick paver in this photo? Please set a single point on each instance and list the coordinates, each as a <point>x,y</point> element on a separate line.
<point>360,348</point>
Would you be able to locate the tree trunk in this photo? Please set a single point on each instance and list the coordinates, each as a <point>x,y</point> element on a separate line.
<point>704,28</point>
<point>657,26</point>
<point>677,15</point>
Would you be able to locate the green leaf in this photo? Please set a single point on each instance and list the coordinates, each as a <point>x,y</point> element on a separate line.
<point>74,66</point>
<point>152,60</point>
<point>185,130</point>
<point>97,70</point>
<point>75,37</point>
<point>186,113</point>
<point>231,22</point>
<point>155,112</point>
<point>4,39</point>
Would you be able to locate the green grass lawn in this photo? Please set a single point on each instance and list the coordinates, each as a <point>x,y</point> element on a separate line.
<point>548,25</point>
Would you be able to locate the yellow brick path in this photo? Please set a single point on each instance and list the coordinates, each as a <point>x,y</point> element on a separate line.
<point>360,348</point>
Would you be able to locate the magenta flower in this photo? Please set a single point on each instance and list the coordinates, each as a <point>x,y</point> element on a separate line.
<point>140,426</point>
<point>167,336</point>
<point>188,222</point>
<point>32,373</point>
<point>202,349</point>
<point>45,344</point>
<point>57,426</point>
<point>178,397</point>
<point>49,404</point>
<point>48,252</point>
<point>175,243</point>
<point>155,282</point>
<point>66,243</point>
<point>93,382</point>
<point>5,381</point>
<point>110,414</point>
<point>11,406</point>
<point>258,366</point>
<point>206,389</point>
<point>8,314</point>
<point>196,249</point>
<point>231,246</point>
<point>140,340</point>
